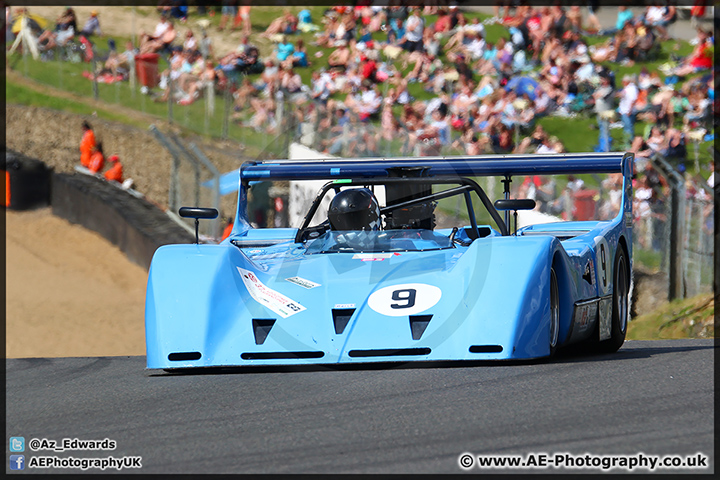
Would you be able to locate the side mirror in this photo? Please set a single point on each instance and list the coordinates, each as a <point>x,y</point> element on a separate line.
<point>197,213</point>
<point>515,204</point>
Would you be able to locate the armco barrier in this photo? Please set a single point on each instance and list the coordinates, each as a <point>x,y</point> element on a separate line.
<point>135,225</point>
<point>27,182</point>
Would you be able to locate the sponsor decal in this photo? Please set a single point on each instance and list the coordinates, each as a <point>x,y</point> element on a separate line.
<point>584,313</point>
<point>344,305</point>
<point>374,257</point>
<point>303,282</point>
<point>404,299</point>
<point>275,301</point>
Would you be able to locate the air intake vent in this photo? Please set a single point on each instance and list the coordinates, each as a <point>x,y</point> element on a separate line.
<point>418,324</point>
<point>389,352</point>
<point>182,356</point>
<point>280,355</point>
<point>341,317</point>
<point>486,349</point>
<point>261,329</point>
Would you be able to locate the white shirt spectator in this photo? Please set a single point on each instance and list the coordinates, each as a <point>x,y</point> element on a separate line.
<point>712,180</point>
<point>654,14</point>
<point>432,105</point>
<point>476,48</point>
<point>628,95</point>
<point>369,101</point>
<point>443,129</point>
<point>414,27</point>
<point>542,148</point>
<point>161,28</point>
<point>475,28</point>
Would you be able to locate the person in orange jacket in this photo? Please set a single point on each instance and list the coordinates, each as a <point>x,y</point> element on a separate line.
<point>97,159</point>
<point>228,229</point>
<point>87,144</point>
<point>115,173</point>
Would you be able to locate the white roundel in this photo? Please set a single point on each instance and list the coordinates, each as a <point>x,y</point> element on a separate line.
<point>404,299</point>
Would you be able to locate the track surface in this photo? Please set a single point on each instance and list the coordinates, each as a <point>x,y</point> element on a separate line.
<point>652,397</point>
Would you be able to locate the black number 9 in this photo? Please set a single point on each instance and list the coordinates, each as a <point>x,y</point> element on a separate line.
<point>408,296</point>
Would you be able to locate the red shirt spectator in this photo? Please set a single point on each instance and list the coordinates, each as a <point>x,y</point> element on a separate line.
<point>87,144</point>
<point>443,22</point>
<point>97,160</point>
<point>228,230</point>
<point>115,173</point>
<point>369,68</point>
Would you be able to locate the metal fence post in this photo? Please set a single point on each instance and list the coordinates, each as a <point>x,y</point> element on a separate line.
<point>226,111</point>
<point>677,207</point>
<point>170,86</point>
<point>96,91</point>
<point>174,192</point>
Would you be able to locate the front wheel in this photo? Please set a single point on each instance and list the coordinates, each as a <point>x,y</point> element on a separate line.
<point>620,301</point>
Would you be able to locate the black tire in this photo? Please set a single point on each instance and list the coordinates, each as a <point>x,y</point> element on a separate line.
<point>620,304</point>
<point>554,330</point>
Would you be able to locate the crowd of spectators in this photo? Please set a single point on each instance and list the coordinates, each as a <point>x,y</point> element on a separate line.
<point>482,96</point>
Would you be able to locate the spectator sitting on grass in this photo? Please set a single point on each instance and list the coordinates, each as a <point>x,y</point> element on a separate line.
<point>660,18</point>
<point>339,59</point>
<point>286,24</point>
<point>161,40</point>
<point>501,140</point>
<point>299,57</point>
<point>118,64</point>
<point>414,28</point>
<point>676,151</point>
<point>172,74</point>
<point>701,57</point>
<point>190,42</point>
<point>291,83</point>
<point>92,26</point>
<point>64,31</point>
<point>242,96</point>
<point>283,49</point>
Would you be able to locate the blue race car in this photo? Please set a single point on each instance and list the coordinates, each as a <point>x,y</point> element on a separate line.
<point>379,283</point>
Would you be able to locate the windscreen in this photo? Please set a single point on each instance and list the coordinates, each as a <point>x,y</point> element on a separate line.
<point>406,240</point>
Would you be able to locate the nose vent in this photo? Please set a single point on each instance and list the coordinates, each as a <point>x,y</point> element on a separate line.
<point>261,329</point>
<point>389,352</point>
<point>341,317</point>
<point>183,356</point>
<point>486,349</point>
<point>418,324</point>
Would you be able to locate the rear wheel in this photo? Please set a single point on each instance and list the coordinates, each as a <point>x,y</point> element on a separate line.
<point>554,313</point>
<point>620,301</point>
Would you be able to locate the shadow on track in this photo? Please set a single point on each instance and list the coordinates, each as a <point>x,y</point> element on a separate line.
<point>571,354</point>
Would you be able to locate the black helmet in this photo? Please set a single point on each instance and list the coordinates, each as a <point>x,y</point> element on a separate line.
<point>354,209</point>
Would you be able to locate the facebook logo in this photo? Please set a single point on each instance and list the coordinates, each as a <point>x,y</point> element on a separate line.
<point>17,444</point>
<point>17,462</point>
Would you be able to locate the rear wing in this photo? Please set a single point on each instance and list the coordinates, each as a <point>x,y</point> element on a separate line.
<point>461,166</point>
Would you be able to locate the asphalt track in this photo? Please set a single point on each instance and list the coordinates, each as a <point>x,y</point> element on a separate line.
<point>654,397</point>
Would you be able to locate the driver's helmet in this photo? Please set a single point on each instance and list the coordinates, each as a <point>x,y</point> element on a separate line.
<point>354,209</point>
